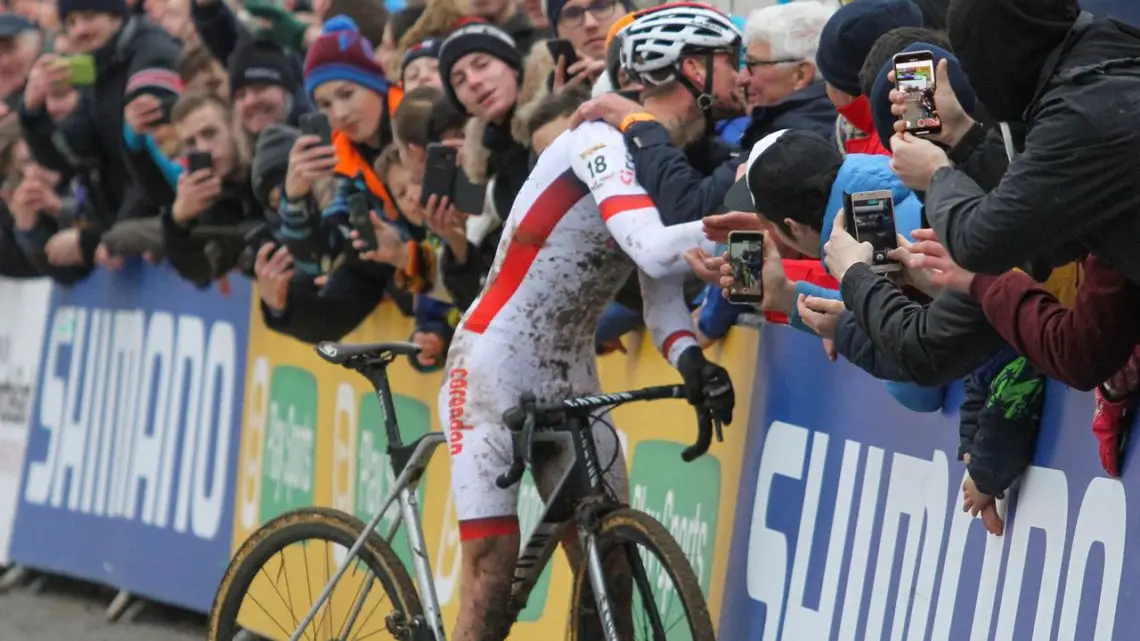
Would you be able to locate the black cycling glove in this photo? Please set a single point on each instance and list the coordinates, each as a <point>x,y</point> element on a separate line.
<point>707,384</point>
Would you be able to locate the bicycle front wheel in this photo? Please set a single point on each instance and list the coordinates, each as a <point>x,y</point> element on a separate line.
<point>651,586</point>
<point>277,575</point>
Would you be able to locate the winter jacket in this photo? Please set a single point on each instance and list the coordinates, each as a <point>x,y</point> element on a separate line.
<point>90,140</point>
<point>1076,178</point>
<point>809,109</point>
<point>14,263</point>
<point>892,337</point>
<point>199,258</point>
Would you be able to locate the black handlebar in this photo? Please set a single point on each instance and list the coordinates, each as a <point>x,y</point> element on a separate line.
<point>529,416</point>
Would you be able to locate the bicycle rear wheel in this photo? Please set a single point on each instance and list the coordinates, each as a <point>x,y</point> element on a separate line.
<point>275,578</point>
<point>644,568</point>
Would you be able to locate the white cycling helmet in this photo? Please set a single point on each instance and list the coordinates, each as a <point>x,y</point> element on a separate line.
<point>654,43</point>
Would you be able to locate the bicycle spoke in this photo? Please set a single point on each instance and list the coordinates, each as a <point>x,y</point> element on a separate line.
<point>263,609</point>
<point>273,584</point>
<point>372,611</point>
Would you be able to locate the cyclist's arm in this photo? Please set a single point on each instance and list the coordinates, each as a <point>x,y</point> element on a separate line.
<point>600,159</point>
<point>666,315</point>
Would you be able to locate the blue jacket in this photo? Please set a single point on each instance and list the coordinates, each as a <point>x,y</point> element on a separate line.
<point>864,172</point>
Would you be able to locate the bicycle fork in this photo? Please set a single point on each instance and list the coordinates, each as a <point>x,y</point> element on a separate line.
<point>598,583</point>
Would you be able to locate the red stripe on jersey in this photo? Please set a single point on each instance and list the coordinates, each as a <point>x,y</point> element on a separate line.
<point>530,237</point>
<point>673,338</point>
<point>615,205</point>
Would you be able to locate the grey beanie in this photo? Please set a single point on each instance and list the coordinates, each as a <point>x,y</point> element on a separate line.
<point>271,160</point>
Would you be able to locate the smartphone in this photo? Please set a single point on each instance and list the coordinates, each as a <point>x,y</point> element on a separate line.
<point>467,196</point>
<point>746,256</point>
<point>81,68</point>
<point>360,217</point>
<point>198,160</point>
<point>317,124</point>
<point>914,76</point>
<point>561,48</point>
<point>439,172</point>
<point>872,215</point>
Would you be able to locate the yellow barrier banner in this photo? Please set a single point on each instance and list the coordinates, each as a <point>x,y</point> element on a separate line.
<point>312,435</point>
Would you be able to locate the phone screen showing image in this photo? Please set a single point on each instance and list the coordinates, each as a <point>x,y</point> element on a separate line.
<point>914,76</point>
<point>875,224</point>
<point>746,256</point>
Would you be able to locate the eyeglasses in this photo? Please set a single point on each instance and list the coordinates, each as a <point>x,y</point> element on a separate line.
<point>574,16</point>
<point>749,63</point>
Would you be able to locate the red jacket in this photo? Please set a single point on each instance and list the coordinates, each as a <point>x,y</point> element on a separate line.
<point>1081,346</point>
<point>809,269</point>
<point>862,137</point>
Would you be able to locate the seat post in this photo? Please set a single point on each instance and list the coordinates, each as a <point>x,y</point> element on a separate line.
<point>377,374</point>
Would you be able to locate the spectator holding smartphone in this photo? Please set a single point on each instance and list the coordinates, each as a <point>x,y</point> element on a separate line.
<point>218,195</point>
<point>131,57</point>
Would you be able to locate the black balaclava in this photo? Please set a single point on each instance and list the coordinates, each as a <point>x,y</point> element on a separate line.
<point>1003,45</point>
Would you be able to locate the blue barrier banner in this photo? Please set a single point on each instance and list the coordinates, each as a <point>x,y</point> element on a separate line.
<point>132,454</point>
<point>849,523</point>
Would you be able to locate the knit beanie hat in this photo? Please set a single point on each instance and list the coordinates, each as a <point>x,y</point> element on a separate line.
<point>850,33</point>
<point>472,38</point>
<point>341,53</point>
<point>271,160</point>
<point>424,49</point>
<point>113,7</point>
<point>260,62</point>
<point>552,10</point>
<point>880,93</point>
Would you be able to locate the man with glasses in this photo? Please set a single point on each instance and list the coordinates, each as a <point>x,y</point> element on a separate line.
<point>585,23</point>
<point>779,82</point>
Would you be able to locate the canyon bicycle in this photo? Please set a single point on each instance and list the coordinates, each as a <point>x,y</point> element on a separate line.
<point>629,558</point>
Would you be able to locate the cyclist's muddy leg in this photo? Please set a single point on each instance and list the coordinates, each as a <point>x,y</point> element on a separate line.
<point>488,564</point>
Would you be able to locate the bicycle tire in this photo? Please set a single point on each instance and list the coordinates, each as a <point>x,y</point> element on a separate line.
<point>640,528</point>
<point>300,525</point>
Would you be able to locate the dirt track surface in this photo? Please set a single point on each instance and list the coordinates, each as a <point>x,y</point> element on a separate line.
<point>66,611</point>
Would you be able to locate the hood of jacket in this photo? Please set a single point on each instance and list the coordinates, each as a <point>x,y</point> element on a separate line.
<point>476,155</point>
<point>136,34</point>
<point>1003,46</point>
<point>867,172</point>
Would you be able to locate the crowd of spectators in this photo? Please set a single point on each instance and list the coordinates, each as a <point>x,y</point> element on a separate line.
<point>185,139</point>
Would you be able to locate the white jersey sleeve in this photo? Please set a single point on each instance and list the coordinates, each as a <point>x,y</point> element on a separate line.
<point>666,315</point>
<point>599,158</point>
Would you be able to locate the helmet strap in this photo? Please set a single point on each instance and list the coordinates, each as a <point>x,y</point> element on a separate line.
<point>705,99</point>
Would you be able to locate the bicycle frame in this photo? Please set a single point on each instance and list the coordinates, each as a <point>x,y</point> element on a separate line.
<point>581,480</point>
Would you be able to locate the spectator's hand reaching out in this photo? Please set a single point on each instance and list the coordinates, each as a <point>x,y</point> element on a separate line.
<point>63,248</point>
<point>585,71</point>
<point>273,270</point>
<point>195,194</point>
<point>975,502</point>
<point>717,226</point>
<point>143,114</point>
<point>955,121</point>
<point>932,256</point>
<point>779,292</point>
<point>31,198</point>
<point>390,248</point>
<point>706,267</point>
<point>915,160</point>
<point>450,224</point>
<point>309,161</point>
<point>610,108</point>
<point>822,316</point>
<point>842,250</point>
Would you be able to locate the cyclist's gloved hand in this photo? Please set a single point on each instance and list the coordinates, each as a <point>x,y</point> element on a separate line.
<point>707,384</point>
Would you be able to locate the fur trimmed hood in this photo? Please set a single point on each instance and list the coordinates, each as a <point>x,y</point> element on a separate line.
<point>536,74</point>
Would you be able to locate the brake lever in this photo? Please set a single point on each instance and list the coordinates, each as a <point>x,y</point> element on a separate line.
<point>717,429</point>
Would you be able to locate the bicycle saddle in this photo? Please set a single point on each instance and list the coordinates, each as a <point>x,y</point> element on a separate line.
<point>341,353</point>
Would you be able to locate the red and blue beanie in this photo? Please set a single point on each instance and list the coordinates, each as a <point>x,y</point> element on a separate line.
<point>341,53</point>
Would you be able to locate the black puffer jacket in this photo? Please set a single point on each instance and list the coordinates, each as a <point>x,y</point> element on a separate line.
<point>1076,179</point>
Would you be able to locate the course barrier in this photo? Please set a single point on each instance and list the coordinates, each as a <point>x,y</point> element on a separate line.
<point>164,424</point>
<point>849,522</point>
<point>128,479</point>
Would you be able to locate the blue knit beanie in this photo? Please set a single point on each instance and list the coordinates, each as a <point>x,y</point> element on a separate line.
<point>850,33</point>
<point>881,90</point>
